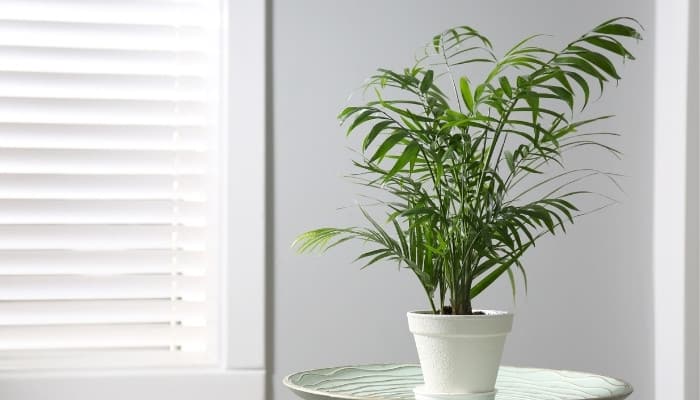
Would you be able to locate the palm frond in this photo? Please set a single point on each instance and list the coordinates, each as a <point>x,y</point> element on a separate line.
<point>454,167</point>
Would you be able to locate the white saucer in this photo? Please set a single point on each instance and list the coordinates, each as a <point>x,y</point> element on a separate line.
<point>421,394</point>
<point>398,381</point>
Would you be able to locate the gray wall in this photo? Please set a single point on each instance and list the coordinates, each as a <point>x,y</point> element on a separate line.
<point>589,305</point>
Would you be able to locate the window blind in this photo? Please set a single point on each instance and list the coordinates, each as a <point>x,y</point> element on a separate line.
<point>109,130</point>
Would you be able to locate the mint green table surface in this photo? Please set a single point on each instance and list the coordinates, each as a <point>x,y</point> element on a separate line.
<point>396,382</point>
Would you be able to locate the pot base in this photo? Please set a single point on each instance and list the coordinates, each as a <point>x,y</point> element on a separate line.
<point>421,394</point>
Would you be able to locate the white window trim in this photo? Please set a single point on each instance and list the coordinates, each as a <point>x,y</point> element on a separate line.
<point>246,183</point>
<point>676,200</point>
<point>242,370</point>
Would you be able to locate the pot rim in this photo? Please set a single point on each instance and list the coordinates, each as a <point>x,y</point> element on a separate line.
<point>427,314</point>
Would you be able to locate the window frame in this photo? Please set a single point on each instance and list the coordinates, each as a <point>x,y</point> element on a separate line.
<point>676,196</point>
<point>241,368</point>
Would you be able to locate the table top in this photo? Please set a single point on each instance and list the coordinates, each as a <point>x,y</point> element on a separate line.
<point>396,382</point>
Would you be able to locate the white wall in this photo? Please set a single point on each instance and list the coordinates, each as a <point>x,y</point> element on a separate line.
<point>589,305</point>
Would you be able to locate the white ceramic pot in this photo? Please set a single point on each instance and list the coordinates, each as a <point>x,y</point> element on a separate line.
<point>459,354</point>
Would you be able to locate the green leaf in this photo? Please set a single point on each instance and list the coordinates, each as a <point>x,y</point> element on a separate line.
<point>522,271</point>
<point>490,278</point>
<point>479,91</point>
<point>466,94</point>
<point>533,100</point>
<point>616,19</point>
<point>418,211</point>
<point>387,145</point>
<point>511,279</point>
<point>370,254</point>
<point>563,94</point>
<point>619,30</point>
<point>408,156</point>
<point>610,45</point>
<point>436,43</point>
<point>360,119</point>
<point>582,65</point>
<point>509,160</point>
<point>530,170</point>
<point>582,84</point>
<point>380,256</point>
<point>348,111</point>
<point>505,85</point>
<point>521,43</point>
<point>521,82</point>
<point>560,76</point>
<point>376,130</point>
<point>601,62</point>
<point>402,237</point>
<point>427,81</point>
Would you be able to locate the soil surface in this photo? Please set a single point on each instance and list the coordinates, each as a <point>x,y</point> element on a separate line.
<point>447,310</point>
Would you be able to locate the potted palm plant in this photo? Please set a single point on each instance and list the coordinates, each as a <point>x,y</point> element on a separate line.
<point>472,174</point>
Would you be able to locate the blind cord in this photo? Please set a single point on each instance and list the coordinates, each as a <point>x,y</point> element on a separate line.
<point>174,299</point>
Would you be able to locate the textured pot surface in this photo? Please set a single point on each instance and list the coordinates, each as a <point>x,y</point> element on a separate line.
<point>460,354</point>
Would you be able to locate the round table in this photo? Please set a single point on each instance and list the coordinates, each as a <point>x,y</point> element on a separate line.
<point>396,382</point>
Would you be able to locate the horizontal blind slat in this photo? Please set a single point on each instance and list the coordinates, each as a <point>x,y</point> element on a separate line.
<point>73,111</point>
<point>114,212</point>
<point>102,86</point>
<point>101,312</point>
<point>112,137</point>
<point>47,186</point>
<point>102,61</point>
<point>17,287</point>
<point>103,262</point>
<point>100,336</point>
<point>101,237</point>
<point>101,36</point>
<point>62,359</point>
<point>101,162</point>
<point>139,12</point>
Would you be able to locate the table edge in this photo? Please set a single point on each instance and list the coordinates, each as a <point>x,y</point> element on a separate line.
<point>628,388</point>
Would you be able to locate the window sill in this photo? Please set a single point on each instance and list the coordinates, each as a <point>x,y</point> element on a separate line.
<point>173,384</point>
